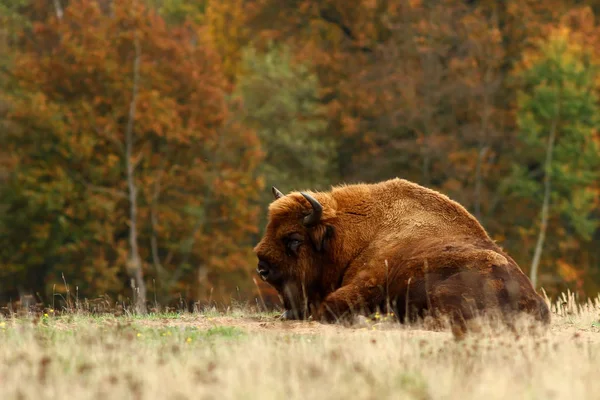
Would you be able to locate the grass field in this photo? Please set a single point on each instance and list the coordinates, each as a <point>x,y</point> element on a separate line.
<point>244,355</point>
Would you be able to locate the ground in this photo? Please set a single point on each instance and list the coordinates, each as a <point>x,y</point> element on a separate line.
<point>238,354</point>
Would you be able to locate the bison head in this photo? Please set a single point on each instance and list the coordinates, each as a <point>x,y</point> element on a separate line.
<point>292,252</point>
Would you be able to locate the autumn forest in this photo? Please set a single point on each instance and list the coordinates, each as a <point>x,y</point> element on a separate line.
<point>139,139</point>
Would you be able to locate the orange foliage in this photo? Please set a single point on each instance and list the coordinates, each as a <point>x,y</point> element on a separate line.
<point>193,162</point>
<point>418,89</point>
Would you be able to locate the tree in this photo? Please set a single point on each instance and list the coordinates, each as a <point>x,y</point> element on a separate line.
<point>280,100</point>
<point>557,118</point>
<point>226,21</point>
<point>11,21</point>
<point>129,162</point>
<point>178,11</point>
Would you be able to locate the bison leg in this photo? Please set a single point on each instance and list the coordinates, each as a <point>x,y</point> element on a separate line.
<point>294,301</point>
<point>362,294</point>
<point>288,315</point>
<point>468,294</point>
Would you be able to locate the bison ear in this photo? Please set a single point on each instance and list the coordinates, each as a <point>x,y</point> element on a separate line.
<point>319,235</point>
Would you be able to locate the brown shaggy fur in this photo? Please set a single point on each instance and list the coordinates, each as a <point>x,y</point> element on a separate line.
<point>394,244</point>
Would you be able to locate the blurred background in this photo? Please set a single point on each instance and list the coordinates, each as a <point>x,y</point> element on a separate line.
<point>139,138</point>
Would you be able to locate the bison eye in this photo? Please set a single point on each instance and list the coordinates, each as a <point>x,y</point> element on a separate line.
<point>292,245</point>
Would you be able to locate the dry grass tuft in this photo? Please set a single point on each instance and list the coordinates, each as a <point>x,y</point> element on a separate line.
<point>211,355</point>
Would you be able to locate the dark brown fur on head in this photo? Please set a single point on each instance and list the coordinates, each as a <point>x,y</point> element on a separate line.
<point>291,253</point>
<point>363,247</point>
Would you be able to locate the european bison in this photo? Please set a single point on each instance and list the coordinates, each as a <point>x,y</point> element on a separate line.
<point>393,246</point>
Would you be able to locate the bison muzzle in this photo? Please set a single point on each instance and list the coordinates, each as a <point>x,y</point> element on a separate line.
<point>392,246</point>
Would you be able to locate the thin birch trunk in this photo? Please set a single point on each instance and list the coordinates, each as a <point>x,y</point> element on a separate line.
<point>58,8</point>
<point>135,262</point>
<point>547,192</point>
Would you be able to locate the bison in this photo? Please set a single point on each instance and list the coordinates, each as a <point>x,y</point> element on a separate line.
<point>393,246</point>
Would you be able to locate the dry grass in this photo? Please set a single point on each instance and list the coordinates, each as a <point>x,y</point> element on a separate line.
<point>224,356</point>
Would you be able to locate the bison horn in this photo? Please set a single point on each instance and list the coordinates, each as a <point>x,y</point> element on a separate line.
<point>276,193</point>
<point>315,216</point>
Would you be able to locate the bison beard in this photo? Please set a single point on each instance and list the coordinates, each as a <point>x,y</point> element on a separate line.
<point>393,246</point>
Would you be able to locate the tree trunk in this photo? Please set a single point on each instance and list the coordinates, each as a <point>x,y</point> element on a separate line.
<point>547,192</point>
<point>135,262</point>
<point>58,8</point>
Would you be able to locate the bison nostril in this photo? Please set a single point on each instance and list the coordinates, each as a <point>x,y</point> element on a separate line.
<point>263,273</point>
<point>263,269</point>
